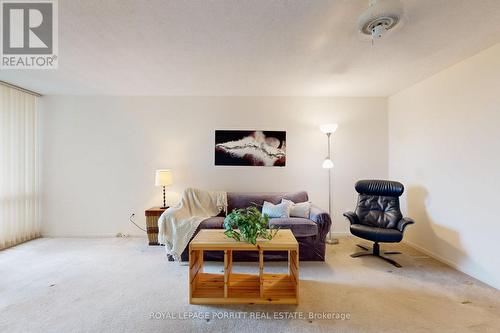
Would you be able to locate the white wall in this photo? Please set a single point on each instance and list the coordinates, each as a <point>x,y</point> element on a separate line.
<point>100,153</point>
<point>444,144</point>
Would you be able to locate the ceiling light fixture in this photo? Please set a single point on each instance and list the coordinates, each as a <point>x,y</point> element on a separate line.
<point>380,17</point>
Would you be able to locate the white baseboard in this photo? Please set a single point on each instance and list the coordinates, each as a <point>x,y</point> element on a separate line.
<point>433,255</point>
<point>447,262</point>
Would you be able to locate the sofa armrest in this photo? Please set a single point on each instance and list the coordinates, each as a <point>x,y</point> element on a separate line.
<point>322,219</point>
<point>404,222</point>
<point>352,217</point>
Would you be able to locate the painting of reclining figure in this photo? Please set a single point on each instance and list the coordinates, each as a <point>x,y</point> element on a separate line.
<point>250,148</point>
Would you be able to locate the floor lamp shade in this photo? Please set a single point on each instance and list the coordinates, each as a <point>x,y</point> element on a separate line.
<point>163,177</point>
<point>328,128</point>
<point>327,163</point>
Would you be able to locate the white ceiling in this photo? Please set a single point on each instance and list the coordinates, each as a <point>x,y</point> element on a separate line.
<point>254,47</point>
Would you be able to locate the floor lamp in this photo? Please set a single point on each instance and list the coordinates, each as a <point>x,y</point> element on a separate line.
<point>329,129</point>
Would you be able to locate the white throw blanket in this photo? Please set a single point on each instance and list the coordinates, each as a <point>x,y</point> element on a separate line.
<point>177,224</point>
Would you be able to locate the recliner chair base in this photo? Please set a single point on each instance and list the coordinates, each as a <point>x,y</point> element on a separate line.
<point>376,253</point>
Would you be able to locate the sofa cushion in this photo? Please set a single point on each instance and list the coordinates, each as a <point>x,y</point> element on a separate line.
<point>300,227</point>
<point>216,222</point>
<point>281,210</point>
<point>237,200</point>
<point>300,209</point>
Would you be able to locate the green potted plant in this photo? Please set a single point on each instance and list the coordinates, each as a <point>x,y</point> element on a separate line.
<point>249,224</point>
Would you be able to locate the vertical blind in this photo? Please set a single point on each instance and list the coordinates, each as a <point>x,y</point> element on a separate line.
<point>19,168</point>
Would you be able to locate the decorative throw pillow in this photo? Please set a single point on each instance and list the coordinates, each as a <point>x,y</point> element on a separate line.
<point>275,211</point>
<point>300,209</point>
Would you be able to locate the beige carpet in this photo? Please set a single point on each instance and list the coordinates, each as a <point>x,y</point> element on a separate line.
<point>114,285</point>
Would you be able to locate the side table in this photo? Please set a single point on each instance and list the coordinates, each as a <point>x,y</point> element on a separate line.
<point>152,215</point>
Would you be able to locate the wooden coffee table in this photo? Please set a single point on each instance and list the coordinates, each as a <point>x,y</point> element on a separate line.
<point>232,288</point>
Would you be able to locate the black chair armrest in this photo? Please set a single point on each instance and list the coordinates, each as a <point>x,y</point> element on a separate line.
<point>404,222</point>
<point>352,217</point>
<point>322,219</point>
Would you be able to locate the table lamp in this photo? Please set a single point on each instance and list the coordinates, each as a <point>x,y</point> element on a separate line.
<point>163,178</point>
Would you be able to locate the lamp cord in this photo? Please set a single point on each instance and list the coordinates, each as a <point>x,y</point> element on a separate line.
<point>131,216</point>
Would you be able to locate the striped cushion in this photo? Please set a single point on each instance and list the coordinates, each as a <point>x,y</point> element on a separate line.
<point>281,210</point>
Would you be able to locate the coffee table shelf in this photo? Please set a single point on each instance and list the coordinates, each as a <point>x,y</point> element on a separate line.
<point>236,288</point>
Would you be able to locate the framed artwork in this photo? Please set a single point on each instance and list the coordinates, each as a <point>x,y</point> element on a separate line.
<point>250,148</point>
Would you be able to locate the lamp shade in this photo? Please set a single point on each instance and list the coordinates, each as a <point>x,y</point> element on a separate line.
<point>327,164</point>
<point>328,128</point>
<point>163,177</point>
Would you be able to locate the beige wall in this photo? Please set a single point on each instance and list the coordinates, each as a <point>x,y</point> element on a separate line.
<point>100,153</point>
<point>444,144</point>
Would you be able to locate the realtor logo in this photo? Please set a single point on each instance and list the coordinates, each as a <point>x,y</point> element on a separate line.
<point>29,34</point>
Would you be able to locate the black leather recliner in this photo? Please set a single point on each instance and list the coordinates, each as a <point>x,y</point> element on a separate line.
<point>377,216</point>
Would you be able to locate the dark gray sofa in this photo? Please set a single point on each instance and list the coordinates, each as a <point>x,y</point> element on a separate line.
<point>310,233</point>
